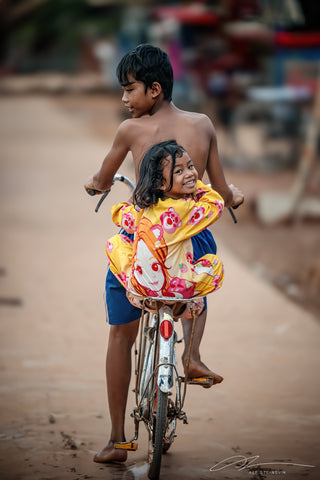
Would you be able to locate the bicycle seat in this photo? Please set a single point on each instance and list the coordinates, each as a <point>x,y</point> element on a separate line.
<point>182,307</point>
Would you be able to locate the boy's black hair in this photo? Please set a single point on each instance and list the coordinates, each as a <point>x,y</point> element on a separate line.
<point>147,64</point>
<point>148,190</point>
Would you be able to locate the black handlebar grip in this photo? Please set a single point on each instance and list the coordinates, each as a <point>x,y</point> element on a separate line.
<point>92,191</point>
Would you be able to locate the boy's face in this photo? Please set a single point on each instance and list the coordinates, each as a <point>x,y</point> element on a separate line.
<point>138,101</point>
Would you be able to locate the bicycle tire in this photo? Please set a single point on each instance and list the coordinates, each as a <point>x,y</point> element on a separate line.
<point>169,435</point>
<point>160,428</point>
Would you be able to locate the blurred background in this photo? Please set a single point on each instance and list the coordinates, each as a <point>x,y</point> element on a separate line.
<point>253,66</point>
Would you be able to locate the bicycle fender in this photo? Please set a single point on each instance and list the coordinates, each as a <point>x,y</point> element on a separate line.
<point>165,382</point>
<point>166,348</point>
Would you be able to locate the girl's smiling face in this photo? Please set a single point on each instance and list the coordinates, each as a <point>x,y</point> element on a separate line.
<point>184,177</point>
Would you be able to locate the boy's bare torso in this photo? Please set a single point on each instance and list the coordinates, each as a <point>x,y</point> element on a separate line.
<point>194,131</point>
<point>189,130</point>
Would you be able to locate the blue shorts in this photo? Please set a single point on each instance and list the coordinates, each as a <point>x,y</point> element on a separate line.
<point>118,308</point>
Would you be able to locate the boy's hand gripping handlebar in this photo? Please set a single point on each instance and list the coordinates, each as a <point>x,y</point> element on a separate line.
<point>118,177</point>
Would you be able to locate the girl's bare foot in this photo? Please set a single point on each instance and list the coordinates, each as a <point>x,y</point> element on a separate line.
<point>110,454</point>
<point>199,369</point>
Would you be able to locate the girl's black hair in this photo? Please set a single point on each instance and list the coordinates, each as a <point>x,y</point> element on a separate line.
<point>147,64</point>
<point>148,190</point>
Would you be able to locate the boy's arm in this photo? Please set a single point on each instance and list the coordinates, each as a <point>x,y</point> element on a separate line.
<point>102,180</point>
<point>232,195</point>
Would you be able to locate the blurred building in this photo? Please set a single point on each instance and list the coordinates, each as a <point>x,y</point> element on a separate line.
<point>222,51</point>
<point>209,38</point>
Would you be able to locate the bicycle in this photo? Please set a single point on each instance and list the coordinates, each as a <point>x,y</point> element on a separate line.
<point>160,390</point>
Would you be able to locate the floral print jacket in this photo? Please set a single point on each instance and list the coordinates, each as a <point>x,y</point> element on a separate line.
<point>159,261</point>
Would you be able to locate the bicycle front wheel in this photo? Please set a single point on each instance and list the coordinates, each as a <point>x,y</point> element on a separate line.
<point>159,432</point>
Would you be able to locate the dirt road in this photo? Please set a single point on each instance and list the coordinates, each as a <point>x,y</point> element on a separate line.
<point>53,335</point>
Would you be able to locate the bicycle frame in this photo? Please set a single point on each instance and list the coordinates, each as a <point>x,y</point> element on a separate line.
<point>157,364</point>
<point>157,361</point>
<point>166,367</point>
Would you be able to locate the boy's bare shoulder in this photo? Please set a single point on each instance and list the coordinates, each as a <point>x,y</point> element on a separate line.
<point>125,126</point>
<point>133,124</point>
<point>193,115</point>
<point>196,119</point>
<point>136,133</point>
<point>127,130</point>
<point>131,127</point>
<point>193,118</point>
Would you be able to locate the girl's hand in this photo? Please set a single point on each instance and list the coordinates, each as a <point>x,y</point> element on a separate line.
<point>238,197</point>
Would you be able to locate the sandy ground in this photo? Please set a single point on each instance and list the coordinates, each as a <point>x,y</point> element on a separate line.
<point>53,334</point>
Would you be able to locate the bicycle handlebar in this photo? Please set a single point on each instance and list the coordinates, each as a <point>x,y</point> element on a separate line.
<point>122,178</point>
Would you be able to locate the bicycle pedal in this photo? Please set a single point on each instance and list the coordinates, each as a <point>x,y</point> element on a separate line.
<point>204,381</point>
<point>126,446</point>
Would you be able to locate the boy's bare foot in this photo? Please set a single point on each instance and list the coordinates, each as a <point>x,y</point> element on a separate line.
<point>110,454</point>
<point>199,369</point>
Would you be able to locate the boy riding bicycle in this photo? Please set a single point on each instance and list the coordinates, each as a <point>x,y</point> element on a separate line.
<point>147,79</point>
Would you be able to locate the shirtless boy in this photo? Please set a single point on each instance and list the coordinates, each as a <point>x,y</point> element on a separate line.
<point>146,77</point>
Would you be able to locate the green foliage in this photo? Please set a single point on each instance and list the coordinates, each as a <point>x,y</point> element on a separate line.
<point>53,32</point>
